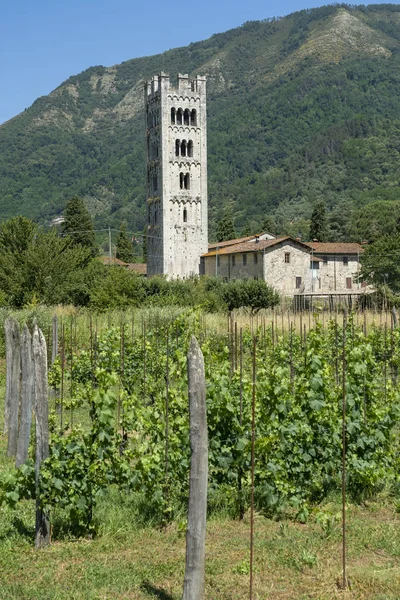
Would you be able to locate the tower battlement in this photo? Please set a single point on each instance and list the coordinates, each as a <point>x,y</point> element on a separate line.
<point>176,134</point>
<point>162,81</point>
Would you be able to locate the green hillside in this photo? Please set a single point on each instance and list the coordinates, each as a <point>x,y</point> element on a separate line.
<point>300,108</point>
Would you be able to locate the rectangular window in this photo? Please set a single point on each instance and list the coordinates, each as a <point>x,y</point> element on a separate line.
<point>298,283</point>
<point>233,260</point>
<point>245,259</point>
<point>325,259</point>
<point>287,257</point>
<point>349,283</point>
<point>218,260</point>
<point>345,260</point>
<point>255,258</point>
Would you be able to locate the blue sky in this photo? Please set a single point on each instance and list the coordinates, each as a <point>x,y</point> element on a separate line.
<point>43,42</point>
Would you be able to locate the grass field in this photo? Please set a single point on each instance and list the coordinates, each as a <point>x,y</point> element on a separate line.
<point>291,560</point>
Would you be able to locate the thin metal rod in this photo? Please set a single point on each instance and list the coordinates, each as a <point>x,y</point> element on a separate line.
<point>253,423</point>
<point>344,583</point>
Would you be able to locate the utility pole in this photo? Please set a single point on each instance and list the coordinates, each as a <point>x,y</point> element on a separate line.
<point>109,244</point>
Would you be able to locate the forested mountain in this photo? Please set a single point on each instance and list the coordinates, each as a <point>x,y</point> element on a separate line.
<point>300,108</point>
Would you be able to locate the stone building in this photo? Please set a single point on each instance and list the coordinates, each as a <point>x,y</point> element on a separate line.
<point>292,267</point>
<point>176,175</point>
<point>338,267</point>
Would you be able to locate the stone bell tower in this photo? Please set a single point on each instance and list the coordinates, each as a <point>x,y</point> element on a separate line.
<point>176,130</point>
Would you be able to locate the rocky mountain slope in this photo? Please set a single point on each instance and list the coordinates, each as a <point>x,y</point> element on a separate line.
<point>302,107</point>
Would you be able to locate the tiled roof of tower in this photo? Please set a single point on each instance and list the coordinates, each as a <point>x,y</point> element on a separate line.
<point>255,246</point>
<point>335,247</point>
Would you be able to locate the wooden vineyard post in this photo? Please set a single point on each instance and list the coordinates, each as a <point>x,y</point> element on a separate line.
<point>54,347</point>
<point>13,359</point>
<point>27,390</point>
<point>193,588</point>
<point>39,352</point>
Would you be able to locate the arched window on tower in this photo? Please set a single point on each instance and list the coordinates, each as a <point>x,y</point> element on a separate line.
<point>183,148</point>
<point>181,180</point>
<point>184,215</point>
<point>190,148</point>
<point>193,117</point>
<point>186,181</point>
<point>173,112</point>
<point>186,116</point>
<point>177,146</point>
<point>179,116</point>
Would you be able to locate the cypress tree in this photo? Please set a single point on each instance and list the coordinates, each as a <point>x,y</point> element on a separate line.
<point>78,225</point>
<point>226,228</point>
<point>319,222</point>
<point>124,245</point>
<point>268,224</point>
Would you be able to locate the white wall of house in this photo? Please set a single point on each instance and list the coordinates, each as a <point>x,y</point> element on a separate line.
<point>238,265</point>
<point>336,274</point>
<point>287,269</point>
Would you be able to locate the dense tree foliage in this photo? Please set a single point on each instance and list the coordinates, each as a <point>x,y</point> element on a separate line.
<point>253,294</point>
<point>293,118</point>
<point>380,263</point>
<point>375,220</point>
<point>124,245</point>
<point>226,228</point>
<point>38,266</point>
<point>78,226</point>
<point>319,222</point>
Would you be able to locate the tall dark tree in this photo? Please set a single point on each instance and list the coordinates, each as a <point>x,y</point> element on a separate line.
<point>226,228</point>
<point>124,245</point>
<point>246,230</point>
<point>145,244</point>
<point>319,223</point>
<point>268,224</point>
<point>78,225</point>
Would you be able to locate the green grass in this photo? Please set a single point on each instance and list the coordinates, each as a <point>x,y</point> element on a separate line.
<point>128,561</point>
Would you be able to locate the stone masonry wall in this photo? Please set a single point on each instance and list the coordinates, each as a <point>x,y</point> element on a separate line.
<point>282,275</point>
<point>177,175</point>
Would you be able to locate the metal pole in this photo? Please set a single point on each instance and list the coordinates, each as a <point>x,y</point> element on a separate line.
<point>253,420</point>
<point>344,583</point>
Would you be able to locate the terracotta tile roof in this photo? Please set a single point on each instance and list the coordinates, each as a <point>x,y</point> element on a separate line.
<point>139,268</point>
<point>113,261</point>
<point>255,246</point>
<point>213,245</point>
<point>335,247</point>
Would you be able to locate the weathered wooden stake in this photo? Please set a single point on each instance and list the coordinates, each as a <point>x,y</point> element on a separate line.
<point>193,588</point>
<point>54,347</point>
<point>13,372</point>
<point>27,390</point>
<point>42,429</point>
